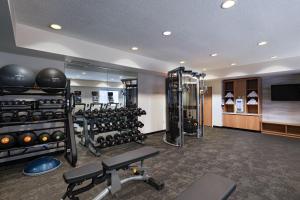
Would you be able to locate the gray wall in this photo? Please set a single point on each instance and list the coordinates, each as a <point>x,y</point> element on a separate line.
<point>280,111</point>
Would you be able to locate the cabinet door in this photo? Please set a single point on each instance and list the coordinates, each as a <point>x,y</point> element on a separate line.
<point>253,123</point>
<point>229,121</point>
<point>240,88</point>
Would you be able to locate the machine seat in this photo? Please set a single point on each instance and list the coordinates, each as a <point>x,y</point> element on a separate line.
<point>83,173</point>
<point>125,159</point>
<point>209,187</point>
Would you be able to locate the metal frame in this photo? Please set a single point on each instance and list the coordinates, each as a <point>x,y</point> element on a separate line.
<point>200,86</point>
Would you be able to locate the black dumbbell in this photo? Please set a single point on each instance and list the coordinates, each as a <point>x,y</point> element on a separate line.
<point>102,142</point>
<point>7,116</point>
<point>59,101</point>
<point>126,138</point>
<point>27,139</point>
<point>7,141</point>
<point>58,135</point>
<point>22,116</point>
<point>59,114</point>
<point>118,139</point>
<point>139,124</point>
<point>133,136</point>
<point>110,140</point>
<point>48,115</point>
<point>54,101</point>
<point>141,136</point>
<point>44,137</point>
<point>37,115</point>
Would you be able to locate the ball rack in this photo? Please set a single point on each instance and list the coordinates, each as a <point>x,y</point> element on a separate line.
<point>68,145</point>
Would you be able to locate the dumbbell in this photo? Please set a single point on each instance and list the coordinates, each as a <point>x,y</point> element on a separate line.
<point>54,101</point>
<point>58,136</point>
<point>139,124</point>
<point>37,115</point>
<point>133,136</point>
<point>7,116</point>
<point>126,138</point>
<point>44,137</point>
<point>141,136</point>
<point>110,140</point>
<point>118,139</point>
<point>102,142</point>
<point>59,114</point>
<point>22,116</point>
<point>48,115</point>
<point>7,141</point>
<point>27,139</point>
<point>59,101</point>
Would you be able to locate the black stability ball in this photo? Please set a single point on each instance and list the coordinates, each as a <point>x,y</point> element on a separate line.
<point>19,78</point>
<point>51,78</point>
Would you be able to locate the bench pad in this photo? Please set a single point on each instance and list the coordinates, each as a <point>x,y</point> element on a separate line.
<point>209,187</point>
<point>125,159</point>
<point>83,173</point>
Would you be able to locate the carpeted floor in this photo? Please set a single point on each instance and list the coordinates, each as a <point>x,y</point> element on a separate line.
<point>264,168</point>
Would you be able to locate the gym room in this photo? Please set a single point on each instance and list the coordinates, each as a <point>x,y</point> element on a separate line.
<point>149,100</point>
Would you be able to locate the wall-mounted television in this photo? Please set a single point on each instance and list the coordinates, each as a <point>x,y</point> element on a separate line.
<point>288,92</point>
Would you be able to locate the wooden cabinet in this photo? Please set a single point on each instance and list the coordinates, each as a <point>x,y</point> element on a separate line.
<point>281,129</point>
<point>249,90</point>
<point>242,121</point>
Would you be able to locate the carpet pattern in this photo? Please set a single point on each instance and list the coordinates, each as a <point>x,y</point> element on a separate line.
<point>264,168</point>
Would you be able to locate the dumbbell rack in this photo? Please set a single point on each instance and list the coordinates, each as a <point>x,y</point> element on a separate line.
<point>68,145</point>
<point>92,144</point>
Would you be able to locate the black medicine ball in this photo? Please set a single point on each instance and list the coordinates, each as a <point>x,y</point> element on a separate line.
<point>16,76</point>
<point>51,78</point>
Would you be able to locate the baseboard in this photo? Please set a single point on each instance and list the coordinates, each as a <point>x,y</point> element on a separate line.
<point>150,133</point>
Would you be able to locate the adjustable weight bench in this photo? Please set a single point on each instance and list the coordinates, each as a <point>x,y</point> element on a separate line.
<point>209,187</point>
<point>108,172</point>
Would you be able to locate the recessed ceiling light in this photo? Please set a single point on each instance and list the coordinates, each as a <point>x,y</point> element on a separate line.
<point>56,26</point>
<point>204,69</point>
<point>228,4</point>
<point>83,73</point>
<point>273,57</point>
<point>167,33</point>
<point>134,48</point>
<point>262,43</point>
<point>182,62</point>
<point>233,64</point>
<point>213,54</point>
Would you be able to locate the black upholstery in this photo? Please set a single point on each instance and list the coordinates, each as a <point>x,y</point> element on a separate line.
<point>83,173</point>
<point>209,187</point>
<point>125,159</point>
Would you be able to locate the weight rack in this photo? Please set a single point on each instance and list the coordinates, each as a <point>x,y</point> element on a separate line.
<point>89,128</point>
<point>68,145</point>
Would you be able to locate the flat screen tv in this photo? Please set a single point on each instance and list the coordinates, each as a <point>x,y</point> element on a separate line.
<point>288,92</point>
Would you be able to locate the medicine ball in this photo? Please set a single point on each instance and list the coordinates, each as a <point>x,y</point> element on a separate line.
<point>16,76</point>
<point>58,135</point>
<point>6,141</point>
<point>27,139</point>
<point>44,137</point>
<point>51,78</point>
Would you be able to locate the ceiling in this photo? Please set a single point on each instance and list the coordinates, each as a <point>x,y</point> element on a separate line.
<point>199,27</point>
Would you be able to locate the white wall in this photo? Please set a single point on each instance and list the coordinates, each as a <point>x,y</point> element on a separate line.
<point>217,117</point>
<point>33,63</point>
<point>280,111</point>
<point>152,98</point>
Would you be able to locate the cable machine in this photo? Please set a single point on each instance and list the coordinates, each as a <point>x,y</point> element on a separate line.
<point>185,97</point>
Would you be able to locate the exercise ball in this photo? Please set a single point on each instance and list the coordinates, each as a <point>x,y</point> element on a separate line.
<point>41,166</point>
<point>16,76</point>
<point>51,78</point>
<point>6,141</point>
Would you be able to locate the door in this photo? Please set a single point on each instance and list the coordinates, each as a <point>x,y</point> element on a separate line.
<point>207,107</point>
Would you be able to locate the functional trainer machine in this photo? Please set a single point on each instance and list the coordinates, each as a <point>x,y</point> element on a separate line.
<point>130,92</point>
<point>185,98</point>
<point>109,172</point>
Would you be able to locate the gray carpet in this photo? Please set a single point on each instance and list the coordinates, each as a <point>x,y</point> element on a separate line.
<point>264,167</point>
